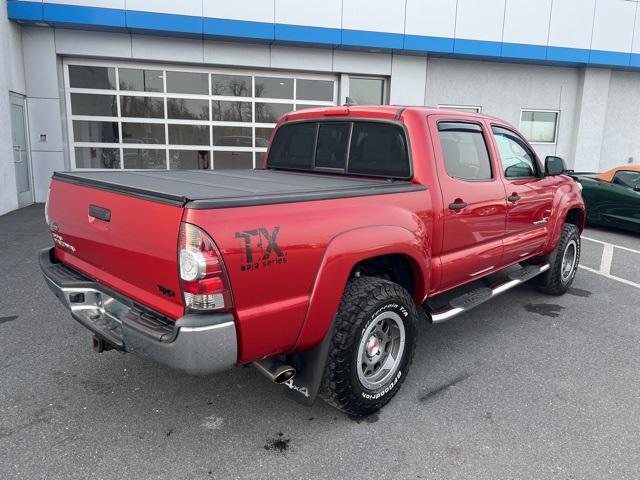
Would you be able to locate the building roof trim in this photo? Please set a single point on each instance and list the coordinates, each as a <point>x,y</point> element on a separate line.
<point>96,18</point>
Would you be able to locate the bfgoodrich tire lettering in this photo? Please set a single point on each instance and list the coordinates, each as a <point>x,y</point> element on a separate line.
<point>372,347</point>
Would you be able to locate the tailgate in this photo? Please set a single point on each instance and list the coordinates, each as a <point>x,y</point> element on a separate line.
<point>127,243</point>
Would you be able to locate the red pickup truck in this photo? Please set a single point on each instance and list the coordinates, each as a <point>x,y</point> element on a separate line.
<point>316,268</point>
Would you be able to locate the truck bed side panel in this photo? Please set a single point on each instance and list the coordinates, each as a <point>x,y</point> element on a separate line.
<point>273,252</point>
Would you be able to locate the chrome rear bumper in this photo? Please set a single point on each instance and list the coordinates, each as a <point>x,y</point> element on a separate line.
<point>197,344</point>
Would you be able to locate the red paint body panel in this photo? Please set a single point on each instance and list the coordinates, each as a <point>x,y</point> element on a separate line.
<point>272,301</point>
<point>288,304</point>
<point>339,260</point>
<point>472,238</point>
<point>133,253</point>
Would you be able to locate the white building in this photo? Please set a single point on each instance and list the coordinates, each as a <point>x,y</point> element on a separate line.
<point>200,83</point>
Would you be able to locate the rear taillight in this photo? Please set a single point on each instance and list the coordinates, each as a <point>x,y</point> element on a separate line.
<point>205,284</point>
<point>46,207</point>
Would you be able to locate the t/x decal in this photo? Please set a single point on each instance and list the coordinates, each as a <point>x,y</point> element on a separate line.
<point>259,248</point>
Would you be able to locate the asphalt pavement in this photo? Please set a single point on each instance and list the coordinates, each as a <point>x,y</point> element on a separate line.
<point>526,386</point>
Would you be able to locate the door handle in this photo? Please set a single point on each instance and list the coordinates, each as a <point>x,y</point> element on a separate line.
<point>100,213</point>
<point>457,205</point>
<point>514,197</point>
<point>18,156</point>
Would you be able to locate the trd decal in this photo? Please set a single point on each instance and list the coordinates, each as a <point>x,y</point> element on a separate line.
<point>268,251</point>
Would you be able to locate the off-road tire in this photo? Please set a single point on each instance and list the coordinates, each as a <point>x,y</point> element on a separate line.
<point>552,281</point>
<point>364,300</point>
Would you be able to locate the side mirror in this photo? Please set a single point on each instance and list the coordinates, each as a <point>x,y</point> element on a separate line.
<point>636,188</point>
<point>554,166</point>
<point>519,170</point>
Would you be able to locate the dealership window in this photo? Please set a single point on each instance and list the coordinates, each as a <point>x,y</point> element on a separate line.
<point>367,90</point>
<point>150,117</point>
<point>539,126</point>
<point>462,108</point>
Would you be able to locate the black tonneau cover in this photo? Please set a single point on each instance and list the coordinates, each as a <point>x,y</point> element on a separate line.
<point>234,188</point>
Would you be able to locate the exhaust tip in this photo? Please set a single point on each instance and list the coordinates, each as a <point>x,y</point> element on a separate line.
<point>283,374</point>
<point>99,345</point>
<point>275,370</point>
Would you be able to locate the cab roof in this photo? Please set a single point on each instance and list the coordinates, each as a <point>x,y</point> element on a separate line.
<point>378,111</point>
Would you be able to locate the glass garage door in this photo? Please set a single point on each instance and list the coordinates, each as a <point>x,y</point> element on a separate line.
<point>149,117</point>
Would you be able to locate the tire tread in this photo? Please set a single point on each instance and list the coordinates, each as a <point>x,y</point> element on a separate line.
<point>551,281</point>
<point>360,296</point>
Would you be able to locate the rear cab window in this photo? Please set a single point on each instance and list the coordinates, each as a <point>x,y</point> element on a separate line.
<point>351,147</point>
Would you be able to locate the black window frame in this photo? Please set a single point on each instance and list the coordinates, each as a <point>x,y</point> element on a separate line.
<point>345,170</point>
<point>480,128</point>
<point>540,171</point>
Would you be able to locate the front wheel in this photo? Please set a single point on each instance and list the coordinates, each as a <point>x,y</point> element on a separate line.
<point>563,262</point>
<point>372,347</point>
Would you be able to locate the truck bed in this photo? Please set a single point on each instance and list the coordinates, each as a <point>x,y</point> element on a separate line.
<point>234,188</point>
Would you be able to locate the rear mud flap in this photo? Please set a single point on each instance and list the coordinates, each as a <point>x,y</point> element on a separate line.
<point>305,386</point>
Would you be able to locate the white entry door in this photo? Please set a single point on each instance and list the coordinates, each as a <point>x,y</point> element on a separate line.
<point>21,157</point>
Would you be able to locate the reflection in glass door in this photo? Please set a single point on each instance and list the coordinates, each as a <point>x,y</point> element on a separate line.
<point>21,159</point>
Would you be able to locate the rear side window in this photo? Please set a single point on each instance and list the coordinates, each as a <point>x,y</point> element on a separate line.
<point>360,148</point>
<point>465,152</point>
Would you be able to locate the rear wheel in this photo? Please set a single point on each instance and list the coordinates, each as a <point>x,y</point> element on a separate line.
<point>372,347</point>
<point>563,262</point>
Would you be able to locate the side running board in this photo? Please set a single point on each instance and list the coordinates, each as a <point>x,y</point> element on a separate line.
<point>480,295</point>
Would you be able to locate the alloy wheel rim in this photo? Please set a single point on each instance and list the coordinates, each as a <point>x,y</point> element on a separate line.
<point>569,260</point>
<point>380,351</point>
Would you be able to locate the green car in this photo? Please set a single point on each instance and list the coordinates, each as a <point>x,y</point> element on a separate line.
<point>612,197</point>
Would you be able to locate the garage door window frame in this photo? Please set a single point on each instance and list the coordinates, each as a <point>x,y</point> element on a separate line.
<point>166,146</point>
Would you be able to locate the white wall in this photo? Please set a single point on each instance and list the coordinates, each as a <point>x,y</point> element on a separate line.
<point>621,135</point>
<point>11,80</point>
<point>593,94</point>
<point>43,103</point>
<point>503,89</point>
<point>408,80</point>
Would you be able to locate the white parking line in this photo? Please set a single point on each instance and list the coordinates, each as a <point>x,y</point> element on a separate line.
<point>607,260</point>
<point>613,244</point>
<point>612,277</point>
